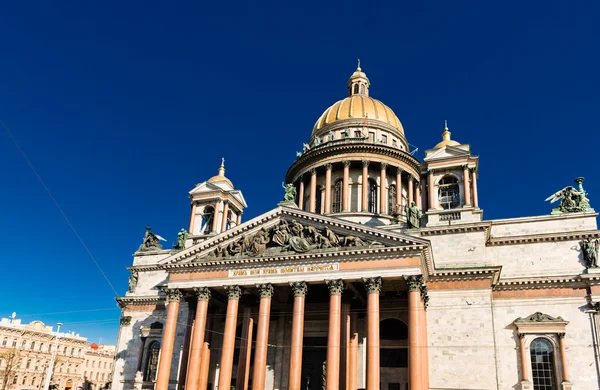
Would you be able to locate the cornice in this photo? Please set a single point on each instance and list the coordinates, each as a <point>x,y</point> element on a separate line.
<point>483,273</point>
<point>547,282</point>
<point>139,300</point>
<point>544,237</point>
<point>359,146</point>
<point>550,217</point>
<point>454,229</point>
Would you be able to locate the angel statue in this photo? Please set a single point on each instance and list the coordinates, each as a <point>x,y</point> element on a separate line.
<point>151,242</point>
<point>572,200</point>
<point>289,192</point>
<point>181,237</point>
<point>589,248</point>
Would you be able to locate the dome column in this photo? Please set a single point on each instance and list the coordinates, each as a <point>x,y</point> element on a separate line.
<point>224,218</point>
<point>301,193</point>
<point>313,190</point>
<point>418,195</point>
<point>346,189</point>
<point>327,188</point>
<point>365,186</point>
<point>431,190</point>
<point>383,189</point>
<point>474,180</point>
<point>410,190</point>
<point>215,221</point>
<point>399,190</point>
<point>466,185</point>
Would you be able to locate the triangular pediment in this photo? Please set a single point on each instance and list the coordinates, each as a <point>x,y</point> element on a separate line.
<point>288,232</point>
<point>220,187</point>
<point>447,152</point>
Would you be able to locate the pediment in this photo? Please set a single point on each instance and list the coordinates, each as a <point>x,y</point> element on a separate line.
<point>222,187</point>
<point>447,152</point>
<point>289,232</point>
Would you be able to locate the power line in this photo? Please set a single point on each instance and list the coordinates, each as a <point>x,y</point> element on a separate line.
<point>58,206</point>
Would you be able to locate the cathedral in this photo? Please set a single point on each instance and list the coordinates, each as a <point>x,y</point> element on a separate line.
<point>376,271</point>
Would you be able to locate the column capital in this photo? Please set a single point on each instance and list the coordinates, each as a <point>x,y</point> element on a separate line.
<point>299,288</point>
<point>521,335</point>
<point>301,178</point>
<point>372,285</point>
<point>347,163</point>
<point>313,172</point>
<point>465,166</point>
<point>265,290</point>
<point>561,335</point>
<point>384,165</point>
<point>125,320</point>
<point>399,171</point>
<point>173,294</point>
<point>233,292</point>
<point>202,293</point>
<point>328,166</point>
<point>365,163</point>
<point>414,282</point>
<point>431,171</point>
<point>336,286</point>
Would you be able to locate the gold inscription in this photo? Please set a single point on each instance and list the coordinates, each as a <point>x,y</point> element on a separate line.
<point>284,270</point>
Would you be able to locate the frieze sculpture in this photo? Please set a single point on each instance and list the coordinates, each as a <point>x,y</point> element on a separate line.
<point>133,280</point>
<point>288,236</point>
<point>330,136</point>
<point>151,242</point>
<point>299,288</point>
<point>335,286</point>
<point>265,290</point>
<point>181,237</point>
<point>202,293</point>
<point>413,216</point>
<point>372,285</point>
<point>539,317</point>
<point>589,248</point>
<point>289,194</point>
<point>233,292</point>
<point>571,200</point>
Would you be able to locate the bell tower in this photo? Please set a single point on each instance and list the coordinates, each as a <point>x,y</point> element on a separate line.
<point>358,83</point>
<point>216,206</point>
<point>451,178</point>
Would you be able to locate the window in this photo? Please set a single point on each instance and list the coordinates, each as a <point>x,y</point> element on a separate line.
<point>357,134</point>
<point>15,380</point>
<point>372,196</point>
<point>207,219</point>
<point>449,193</point>
<point>362,88</point>
<point>37,365</point>
<point>102,377</point>
<point>104,364</point>
<point>69,369</point>
<point>384,139</point>
<point>41,346</point>
<point>97,375</point>
<point>85,374</point>
<point>355,88</point>
<point>65,350</point>
<point>87,363</point>
<point>79,352</point>
<point>24,344</point>
<point>4,341</point>
<point>542,364</point>
<point>14,343</point>
<point>28,364</point>
<point>372,136</point>
<point>151,361</point>
<point>93,364</point>
<point>337,197</point>
<point>32,345</point>
<point>394,143</point>
<point>392,199</point>
<point>24,380</point>
<point>33,381</point>
<point>72,351</point>
<point>49,347</point>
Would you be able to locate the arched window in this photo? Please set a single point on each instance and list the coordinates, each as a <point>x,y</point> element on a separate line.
<point>207,219</point>
<point>15,380</point>
<point>355,88</point>
<point>37,365</point>
<point>337,197</point>
<point>49,347</point>
<point>64,350</point>
<point>392,199</point>
<point>14,344</point>
<point>542,364</point>
<point>152,361</point>
<point>4,341</point>
<point>32,345</point>
<point>72,351</point>
<point>362,88</point>
<point>23,344</point>
<point>28,364</point>
<point>372,196</point>
<point>449,193</point>
<point>24,380</point>
<point>33,381</point>
<point>41,346</point>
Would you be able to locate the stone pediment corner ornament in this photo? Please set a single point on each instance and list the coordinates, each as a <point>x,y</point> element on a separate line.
<point>538,317</point>
<point>572,200</point>
<point>287,236</point>
<point>151,242</point>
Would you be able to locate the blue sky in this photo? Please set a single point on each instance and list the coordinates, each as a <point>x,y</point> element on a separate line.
<point>123,106</point>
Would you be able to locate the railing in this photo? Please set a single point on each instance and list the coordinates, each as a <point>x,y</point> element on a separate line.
<point>453,216</point>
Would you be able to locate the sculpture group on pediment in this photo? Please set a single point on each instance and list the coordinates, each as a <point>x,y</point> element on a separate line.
<point>572,199</point>
<point>151,242</point>
<point>589,248</point>
<point>288,236</point>
<point>289,194</point>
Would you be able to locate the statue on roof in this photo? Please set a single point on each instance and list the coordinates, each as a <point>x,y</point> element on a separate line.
<point>413,216</point>
<point>589,249</point>
<point>289,194</point>
<point>181,237</point>
<point>151,242</point>
<point>133,280</point>
<point>572,199</point>
<point>316,141</point>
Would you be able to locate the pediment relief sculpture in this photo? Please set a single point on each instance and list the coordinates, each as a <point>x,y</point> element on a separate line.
<point>288,236</point>
<point>539,317</point>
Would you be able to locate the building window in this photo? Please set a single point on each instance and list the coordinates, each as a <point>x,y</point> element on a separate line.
<point>355,88</point>
<point>102,377</point>
<point>41,346</point>
<point>542,364</point>
<point>72,351</point>
<point>64,350</point>
<point>37,365</point>
<point>32,345</point>
<point>23,344</point>
<point>4,341</point>
<point>28,364</point>
<point>14,344</point>
<point>371,136</point>
<point>93,364</point>
<point>104,364</point>
<point>357,134</point>
<point>97,375</point>
<point>33,381</point>
<point>384,139</point>
<point>87,363</point>
<point>372,197</point>
<point>152,361</point>
<point>337,197</point>
<point>449,193</point>
<point>394,143</point>
<point>15,380</point>
<point>85,374</point>
<point>79,352</point>
<point>24,380</point>
<point>392,199</point>
<point>49,347</point>
<point>207,219</point>
<point>362,88</point>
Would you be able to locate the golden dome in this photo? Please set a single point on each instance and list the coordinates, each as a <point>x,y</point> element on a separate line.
<point>359,105</point>
<point>446,139</point>
<point>221,176</point>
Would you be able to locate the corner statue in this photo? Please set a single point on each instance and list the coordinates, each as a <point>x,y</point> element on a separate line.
<point>589,248</point>
<point>289,192</point>
<point>571,200</point>
<point>181,237</point>
<point>151,242</point>
<point>413,216</point>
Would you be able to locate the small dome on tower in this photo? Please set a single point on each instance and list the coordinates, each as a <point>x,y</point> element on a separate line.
<point>446,141</point>
<point>221,176</point>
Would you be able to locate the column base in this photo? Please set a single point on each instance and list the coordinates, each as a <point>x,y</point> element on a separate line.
<point>526,385</point>
<point>566,385</point>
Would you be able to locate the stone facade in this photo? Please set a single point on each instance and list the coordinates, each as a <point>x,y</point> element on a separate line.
<point>464,303</point>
